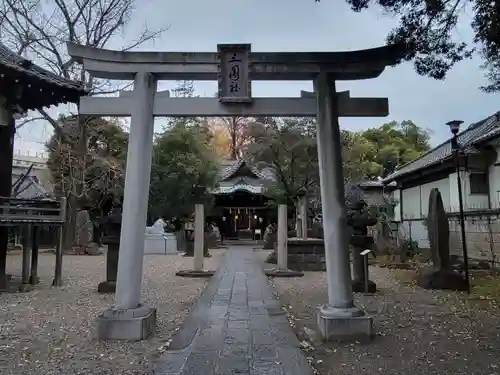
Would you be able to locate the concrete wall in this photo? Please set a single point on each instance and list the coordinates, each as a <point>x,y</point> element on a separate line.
<point>482,235</point>
<point>415,209</point>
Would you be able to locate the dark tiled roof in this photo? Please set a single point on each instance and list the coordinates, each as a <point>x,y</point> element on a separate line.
<point>229,167</point>
<point>18,63</point>
<point>29,188</point>
<point>467,139</point>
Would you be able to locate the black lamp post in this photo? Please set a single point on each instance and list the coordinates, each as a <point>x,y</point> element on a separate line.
<point>455,127</point>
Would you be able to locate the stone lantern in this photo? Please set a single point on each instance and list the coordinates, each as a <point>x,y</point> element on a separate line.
<point>359,219</point>
<point>112,229</point>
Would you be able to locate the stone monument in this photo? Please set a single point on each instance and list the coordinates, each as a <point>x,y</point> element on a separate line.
<point>442,276</point>
<point>200,247</point>
<point>282,269</point>
<point>84,235</point>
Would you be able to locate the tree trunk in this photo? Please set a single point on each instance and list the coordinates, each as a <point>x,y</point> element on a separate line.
<point>70,225</point>
<point>75,199</point>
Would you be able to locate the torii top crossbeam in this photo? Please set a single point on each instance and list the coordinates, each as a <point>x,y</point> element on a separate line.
<point>288,66</point>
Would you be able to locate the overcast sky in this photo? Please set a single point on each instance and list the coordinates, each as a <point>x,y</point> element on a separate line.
<point>304,25</point>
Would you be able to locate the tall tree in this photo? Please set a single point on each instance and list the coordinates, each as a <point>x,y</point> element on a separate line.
<point>98,177</point>
<point>358,156</point>
<point>182,158</point>
<point>394,143</point>
<point>220,142</point>
<point>289,147</point>
<point>286,146</point>
<point>429,30</point>
<point>236,128</point>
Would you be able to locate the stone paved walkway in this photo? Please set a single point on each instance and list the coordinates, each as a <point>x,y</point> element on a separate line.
<point>237,326</point>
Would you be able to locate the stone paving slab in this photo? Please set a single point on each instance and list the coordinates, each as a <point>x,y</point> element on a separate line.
<point>237,326</point>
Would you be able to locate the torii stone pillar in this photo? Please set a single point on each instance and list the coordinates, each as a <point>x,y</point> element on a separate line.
<point>303,217</point>
<point>339,318</point>
<point>281,240</point>
<point>199,236</point>
<point>131,320</point>
<point>282,247</point>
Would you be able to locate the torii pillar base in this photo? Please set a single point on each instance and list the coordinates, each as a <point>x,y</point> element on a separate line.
<point>344,325</point>
<point>283,273</point>
<point>131,324</point>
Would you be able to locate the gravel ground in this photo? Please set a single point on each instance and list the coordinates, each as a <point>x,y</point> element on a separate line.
<point>50,331</point>
<point>418,331</point>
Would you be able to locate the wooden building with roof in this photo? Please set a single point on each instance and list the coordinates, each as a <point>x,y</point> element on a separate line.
<point>240,199</point>
<point>24,86</point>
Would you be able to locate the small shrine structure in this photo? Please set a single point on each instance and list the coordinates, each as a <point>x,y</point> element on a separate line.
<point>25,86</point>
<point>240,200</point>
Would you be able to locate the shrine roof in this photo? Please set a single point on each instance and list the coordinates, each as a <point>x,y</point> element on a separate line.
<point>28,188</point>
<point>43,88</point>
<point>252,180</point>
<point>228,168</point>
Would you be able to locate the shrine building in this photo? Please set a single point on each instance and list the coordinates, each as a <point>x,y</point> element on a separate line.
<point>241,204</point>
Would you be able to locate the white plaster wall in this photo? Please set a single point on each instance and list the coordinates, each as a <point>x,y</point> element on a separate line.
<point>471,201</point>
<point>416,231</point>
<point>494,177</point>
<point>416,205</point>
<point>397,208</point>
<point>410,199</point>
<point>425,190</point>
<point>416,199</point>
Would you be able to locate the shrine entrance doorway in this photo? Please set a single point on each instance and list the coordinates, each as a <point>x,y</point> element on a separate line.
<point>234,67</point>
<point>241,208</point>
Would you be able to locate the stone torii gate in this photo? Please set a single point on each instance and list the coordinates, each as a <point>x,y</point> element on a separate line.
<point>234,67</point>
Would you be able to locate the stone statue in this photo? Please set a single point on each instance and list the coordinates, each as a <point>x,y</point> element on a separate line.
<point>269,237</point>
<point>84,234</point>
<point>158,227</point>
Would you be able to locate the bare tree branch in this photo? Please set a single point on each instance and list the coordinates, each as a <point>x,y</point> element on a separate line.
<point>19,125</point>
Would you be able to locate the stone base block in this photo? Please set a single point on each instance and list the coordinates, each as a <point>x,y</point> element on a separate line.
<point>24,288</point>
<point>283,273</point>
<point>195,273</point>
<point>344,324</point>
<point>132,325</point>
<point>106,287</point>
<point>441,280</point>
<point>358,286</point>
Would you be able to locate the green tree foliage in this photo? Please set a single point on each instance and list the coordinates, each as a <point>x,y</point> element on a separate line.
<point>428,29</point>
<point>358,155</point>
<point>394,144</point>
<point>289,147</point>
<point>182,158</point>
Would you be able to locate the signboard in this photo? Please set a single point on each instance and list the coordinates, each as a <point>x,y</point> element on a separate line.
<point>233,76</point>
